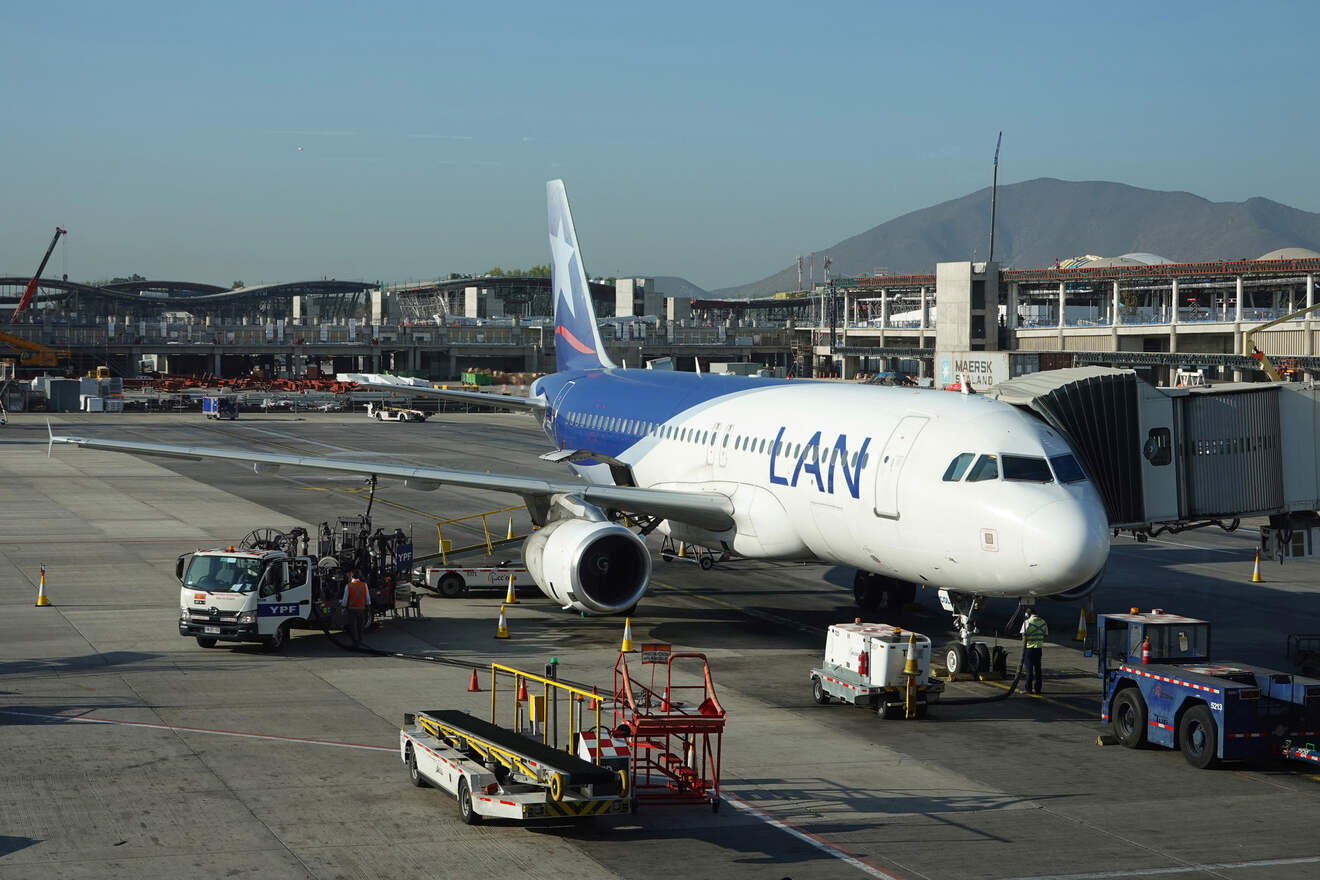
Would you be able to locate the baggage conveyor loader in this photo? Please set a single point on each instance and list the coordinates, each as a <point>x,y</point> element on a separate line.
<point>495,772</point>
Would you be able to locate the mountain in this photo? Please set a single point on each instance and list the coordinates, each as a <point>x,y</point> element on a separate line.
<point>672,285</point>
<point>1041,220</point>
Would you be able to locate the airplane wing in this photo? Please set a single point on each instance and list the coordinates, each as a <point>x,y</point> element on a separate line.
<point>374,382</point>
<point>707,510</point>
<point>476,398</point>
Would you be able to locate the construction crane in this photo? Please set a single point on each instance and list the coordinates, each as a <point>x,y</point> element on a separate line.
<point>30,292</point>
<point>1249,347</point>
<point>34,354</point>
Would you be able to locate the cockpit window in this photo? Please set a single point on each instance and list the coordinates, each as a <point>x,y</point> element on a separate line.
<point>1026,469</point>
<point>954,472</point>
<point>986,468</point>
<point>1067,470</point>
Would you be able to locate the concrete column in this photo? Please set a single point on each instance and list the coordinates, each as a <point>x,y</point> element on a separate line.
<point>215,370</point>
<point>1115,304</point>
<point>925,306</point>
<point>1011,319</point>
<point>1062,304</point>
<point>884,310</point>
<point>1237,301</point>
<point>1173,302</point>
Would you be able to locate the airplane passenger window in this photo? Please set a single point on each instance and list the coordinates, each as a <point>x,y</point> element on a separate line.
<point>1067,470</point>
<point>954,472</point>
<point>762,444</point>
<point>986,468</point>
<point>853,461</point>
<point>866,457</point>
<point>1027,469</point>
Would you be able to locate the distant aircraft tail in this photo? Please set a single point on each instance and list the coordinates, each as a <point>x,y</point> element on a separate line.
<point>577,340</point>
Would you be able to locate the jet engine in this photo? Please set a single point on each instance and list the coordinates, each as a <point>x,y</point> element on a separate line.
<point>592,566</point>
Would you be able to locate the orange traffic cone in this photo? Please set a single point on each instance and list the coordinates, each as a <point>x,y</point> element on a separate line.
<point>511,598</point>
<point>522,690</point>
<point>474,686</point>
<point>41,588</point>
<point>1255,571</point>
<point>502,630</point>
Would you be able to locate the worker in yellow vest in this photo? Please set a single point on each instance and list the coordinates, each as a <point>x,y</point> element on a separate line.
<point>356,601</point>
<point>1034,630</point>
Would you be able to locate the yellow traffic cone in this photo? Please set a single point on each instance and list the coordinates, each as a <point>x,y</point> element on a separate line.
<point>627,646</point>
<point>511,598</point>
<point>509,537</point>
<point>1255,571</point>
<point>682,548</point>
<point>1081,625</point>
<point>502,631</point>
<point>41,589</point>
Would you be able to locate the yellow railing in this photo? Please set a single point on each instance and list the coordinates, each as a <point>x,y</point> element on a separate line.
<point>444,548</point>
<point>575,695</point>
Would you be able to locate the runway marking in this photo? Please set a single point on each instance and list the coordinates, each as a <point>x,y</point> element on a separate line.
<point>1179,869</point>
<point>1135,543</point>
<point>176,728</point>
<point>811,840</point>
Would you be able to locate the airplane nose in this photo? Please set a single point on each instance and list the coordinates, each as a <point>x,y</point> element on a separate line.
<point>1066,543</point>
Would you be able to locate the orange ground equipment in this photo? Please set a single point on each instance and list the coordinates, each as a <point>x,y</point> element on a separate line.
<point>675,731</point>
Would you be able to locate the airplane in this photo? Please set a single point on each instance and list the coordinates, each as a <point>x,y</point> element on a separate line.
<point>907,486</point>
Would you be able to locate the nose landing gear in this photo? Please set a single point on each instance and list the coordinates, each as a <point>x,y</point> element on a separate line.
<point>964,655</point>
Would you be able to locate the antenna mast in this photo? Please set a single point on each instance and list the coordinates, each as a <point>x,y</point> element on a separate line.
<point>994,194</point>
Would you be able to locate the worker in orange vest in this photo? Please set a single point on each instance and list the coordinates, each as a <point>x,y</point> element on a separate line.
<point>356,601</point>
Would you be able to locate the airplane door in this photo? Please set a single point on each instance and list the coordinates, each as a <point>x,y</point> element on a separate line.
<point>890,464</point>
<point>725,439</point>
<point>711,443</point>
<point>553,412</point>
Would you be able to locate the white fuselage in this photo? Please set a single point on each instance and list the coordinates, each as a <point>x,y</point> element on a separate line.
<point>788,457</point>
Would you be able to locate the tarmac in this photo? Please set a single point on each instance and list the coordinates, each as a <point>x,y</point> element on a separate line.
<point>128,751</point>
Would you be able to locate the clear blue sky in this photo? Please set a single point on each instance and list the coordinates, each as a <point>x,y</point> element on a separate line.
<point>714,141</point>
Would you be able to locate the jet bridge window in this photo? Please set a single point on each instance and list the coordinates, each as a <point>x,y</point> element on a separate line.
<point>954,472</point>
<point>1027,469</point>
<point>986,468</point>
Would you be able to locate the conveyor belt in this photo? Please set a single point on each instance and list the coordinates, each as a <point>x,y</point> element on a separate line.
<point>575,770</point>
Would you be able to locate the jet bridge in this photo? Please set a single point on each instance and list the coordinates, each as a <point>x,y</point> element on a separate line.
<point>1170,458</point>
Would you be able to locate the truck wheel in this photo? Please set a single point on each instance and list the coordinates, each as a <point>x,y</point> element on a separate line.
<point>1198,737</point>
<point>818,692</point>
<point>207,641</point>
<point>465,810</point>
<point>706,562</point>
<point>413,773</point>
<point>922,706</point>
<point>885,709</point>
<point>1128,718</point>
<point>451,585</point>
<point>277,641</point>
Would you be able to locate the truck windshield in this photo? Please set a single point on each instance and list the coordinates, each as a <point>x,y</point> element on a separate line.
<point>223,574</point>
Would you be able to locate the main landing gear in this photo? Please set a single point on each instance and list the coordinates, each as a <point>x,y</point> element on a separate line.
<point>873,590</point>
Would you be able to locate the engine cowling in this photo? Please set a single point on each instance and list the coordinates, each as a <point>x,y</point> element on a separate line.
<point>598,567</point>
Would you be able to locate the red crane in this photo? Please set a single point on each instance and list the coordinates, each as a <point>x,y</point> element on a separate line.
<point>30,292</point>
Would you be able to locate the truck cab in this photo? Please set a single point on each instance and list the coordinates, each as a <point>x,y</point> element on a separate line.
<point>1161,687</point>
<point>246,596</point>
<point>220,407</point>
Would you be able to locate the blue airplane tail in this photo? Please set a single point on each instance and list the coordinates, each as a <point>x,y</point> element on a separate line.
<point>577,339</point>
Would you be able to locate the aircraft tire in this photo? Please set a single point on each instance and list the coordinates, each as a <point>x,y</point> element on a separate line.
<point>956,659</point>
<point>867,592</point>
